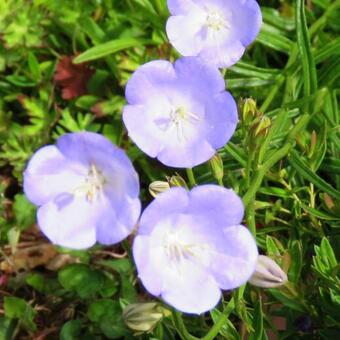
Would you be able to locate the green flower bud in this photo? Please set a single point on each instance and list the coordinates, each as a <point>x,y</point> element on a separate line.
<point>143,317</point>
<point>177,181</point>
<point>157,187</point>
<point>216,164</point>
<point>268,274</point>
<point>261,129</point>
<point>248,110</point>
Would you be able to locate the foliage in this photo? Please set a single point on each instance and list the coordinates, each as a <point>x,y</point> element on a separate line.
<point>283,160</point>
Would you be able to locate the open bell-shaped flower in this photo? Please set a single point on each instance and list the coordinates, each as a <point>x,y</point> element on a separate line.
<point>179,113</point>
<point>218,31</point>
<point>190,245</point>
<point>86,190</point>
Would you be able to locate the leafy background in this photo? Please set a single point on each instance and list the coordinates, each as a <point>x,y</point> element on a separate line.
<point>283,161</point>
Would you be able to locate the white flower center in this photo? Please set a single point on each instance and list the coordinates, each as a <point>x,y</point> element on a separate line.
<point>215,21</point>
<point>175,249</point>
<point>178,117</point>
<point>92,189</point>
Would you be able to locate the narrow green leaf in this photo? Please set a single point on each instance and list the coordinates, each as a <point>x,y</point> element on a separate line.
<point>304,46</point>
<point>327,249</point>
<point>258,332</point>
<point>319,214</point>
<point>249,70</point>
<point>237,153</point>
<point>274,40</point>
<point>110,47</point>
<point>304,170</point>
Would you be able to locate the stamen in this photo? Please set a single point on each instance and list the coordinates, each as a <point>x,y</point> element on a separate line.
<point>176,250</point>
<point>178,117</point>
<point>92,189</point>
<point>215,21</point>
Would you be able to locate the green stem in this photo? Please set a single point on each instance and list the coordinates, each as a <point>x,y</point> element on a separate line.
<point>278,155</point>
<point>220,322</point>
<point>220,182</point>
<point>272,94</point>
<point>180,327</point>
<point>249,165</point>
<point>251,218</point>
<point>191,177</point>
<point>261,172</point>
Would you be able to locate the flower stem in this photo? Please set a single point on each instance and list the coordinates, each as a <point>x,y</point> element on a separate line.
<point>191,177</point>
<point>220,322</point>
<point>260,173</point>
<point>180,326</point>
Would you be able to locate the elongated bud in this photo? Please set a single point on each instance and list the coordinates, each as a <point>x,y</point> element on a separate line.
<point>177,181</point>
<point>248,110</point>
<point>157,187</point>
<point>328,201</point>
<point>216,164</point>
<point>143,317</point>
<point>263,126</point>
<point>268,274</point>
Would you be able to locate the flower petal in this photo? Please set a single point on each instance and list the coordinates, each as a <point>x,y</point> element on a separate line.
<point>174,200</point>
<point>222,205</point>
<point>246,19</point>
<point>87,148</point>
<point>201,77</point>
<point>143,129</point>
<point>148,81</point>
<point>188,155</point>
<point>180,6</point>
<point>146,271</point>
<point>68,221</point>
<point>183,32</point>
<point>116,220</point>
<point>222,117</point>
<point>49,173</point>
<point>190,289</point>
<point>237,261</point>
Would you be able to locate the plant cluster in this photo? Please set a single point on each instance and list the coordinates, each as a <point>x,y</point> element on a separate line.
<point>74,66</point>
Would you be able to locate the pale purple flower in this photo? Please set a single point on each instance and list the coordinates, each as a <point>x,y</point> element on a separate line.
<point>86,189</point>
<point>218,31</point>
<point>190,245</point>
<point>179,113</point>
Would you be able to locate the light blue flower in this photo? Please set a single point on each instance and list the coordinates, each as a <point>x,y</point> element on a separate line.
<point>86,189</point>
<point>179,113</point>
<point>190,245</point>
<point>218,31</point>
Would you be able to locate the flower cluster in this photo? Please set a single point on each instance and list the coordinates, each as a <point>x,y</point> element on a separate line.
<point>190,245</point>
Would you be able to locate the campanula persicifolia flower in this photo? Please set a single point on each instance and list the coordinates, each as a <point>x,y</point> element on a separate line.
<point>179,113</point>
<point>86,189</point>
<point>190,245</point>
<point>218,31</point>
